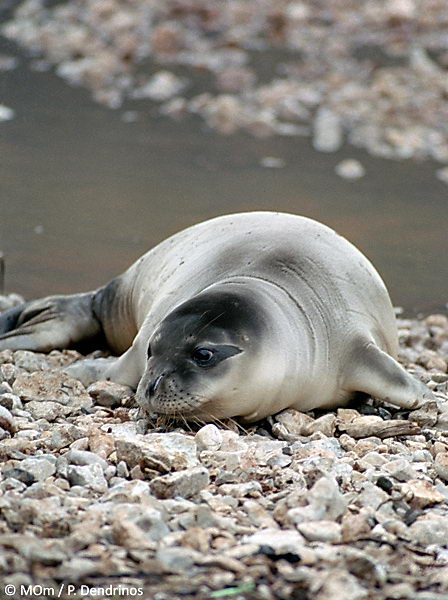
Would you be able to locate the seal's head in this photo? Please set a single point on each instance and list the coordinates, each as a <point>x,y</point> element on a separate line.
<point>201,356</point>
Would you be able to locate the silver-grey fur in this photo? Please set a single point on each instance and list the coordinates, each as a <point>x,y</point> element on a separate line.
<point>328,329</point>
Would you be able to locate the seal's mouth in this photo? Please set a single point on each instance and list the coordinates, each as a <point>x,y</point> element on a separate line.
<point>165,396</point>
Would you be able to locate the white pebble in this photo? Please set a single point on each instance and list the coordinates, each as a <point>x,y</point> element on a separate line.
<point>272,162</point>
<point>6,113</point>
<point>442,174</point>
<point>327,130</point>
<point>350,169</point>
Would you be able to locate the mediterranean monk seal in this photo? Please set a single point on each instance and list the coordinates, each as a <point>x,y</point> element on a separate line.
<point>242,315</point>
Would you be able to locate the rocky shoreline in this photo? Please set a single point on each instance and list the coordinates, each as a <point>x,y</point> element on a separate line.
<point>348,503</point>
<point>372,74</point>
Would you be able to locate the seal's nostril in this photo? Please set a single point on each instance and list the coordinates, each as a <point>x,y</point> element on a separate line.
<point>155,384</point>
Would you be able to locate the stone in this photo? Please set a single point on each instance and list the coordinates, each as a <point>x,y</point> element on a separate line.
<point>50,411</point>
<point>258,515</point>
<point>326,424</point>
<point>432,360</point>
<point>354,526</point>
<point>321,531</point>
<point>430,531</point>
<point>400,469</point>
<point>22,475</point>
<point>426,415</point>
<point>294,421</point>
<point>175,559</point>
<point>137,526</point>
<point>54,386</point>
<point>239,490</point>
<point>38,467</point>
<point>62,435</point>
<point>158,453</point>
<point>109,394</point>
<point>163,85</point>
<point>83,457</point>
<point>423,493</point>
<point>76,569</point>
<point>337,583</point>
<point>371,496</point>
<point>30,361</point>
<point>6,113</point>
<point>285,541</point>
<point>184,484</point>
<point>10,401</point>
<point>88,476</point>
<point>441,465</point>
<point>350,169</point>
<point>327,134</point>
<point>208,437</point>
<point>325,502</point>
<point>7,421</point>
<point>8,373</point>
<point>101,443</point>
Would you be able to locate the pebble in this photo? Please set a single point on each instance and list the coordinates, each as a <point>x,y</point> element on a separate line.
<point>29,361</point>
<point>109,394</point>
<point>160,453</point>
<point>7,420</point>
<point>88,476</point>
<point>442,174</point>
<point>285,541</point>
<point>77,569</point>
<point>184,484</point>
<point>272,162</point>
<point>50,411</point>
<point>350,169</point>
<point>177,559</point>
<point>83,458</point>
<point>8,63</point>
<point>163,85</point>
<point>400,469</point>
<point>208,437</point>
<point>6,113</point>
<point>39,467</point>
<point>441,465</point>
<point>294,422</point>
<point>430,531</point>
<point>423,493</point>
<point>52,386</point>
<point>321,531</point>
<point>327,136</point>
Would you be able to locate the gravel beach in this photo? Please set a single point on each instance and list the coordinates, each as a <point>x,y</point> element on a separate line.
<point>373,74</point>
<point>346,504</point>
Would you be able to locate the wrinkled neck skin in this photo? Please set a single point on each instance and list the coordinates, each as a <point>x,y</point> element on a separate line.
<point>269,376</point>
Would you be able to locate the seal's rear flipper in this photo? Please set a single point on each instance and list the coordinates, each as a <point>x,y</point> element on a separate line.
<point>378,374</point>
<point>49,323</point>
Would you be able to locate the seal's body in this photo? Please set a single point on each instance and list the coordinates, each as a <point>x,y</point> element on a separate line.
<point>242,315</point>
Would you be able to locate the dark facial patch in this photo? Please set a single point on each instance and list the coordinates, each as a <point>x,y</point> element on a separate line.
<point>228,311</point>
<point>200,337</point>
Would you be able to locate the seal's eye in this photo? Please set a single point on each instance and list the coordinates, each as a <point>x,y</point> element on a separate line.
<point>148,352</point>
<point>203,356</point>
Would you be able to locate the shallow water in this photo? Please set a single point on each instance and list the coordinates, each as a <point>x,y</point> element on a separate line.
<point>83,193</point>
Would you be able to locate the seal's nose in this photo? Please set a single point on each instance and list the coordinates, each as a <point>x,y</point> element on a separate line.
<point>155,384</point>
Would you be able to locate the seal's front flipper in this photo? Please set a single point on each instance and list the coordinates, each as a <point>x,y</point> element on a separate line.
<point>53,322</point>
<point>376,373</point>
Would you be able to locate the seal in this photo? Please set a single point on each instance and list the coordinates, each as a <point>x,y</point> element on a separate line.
<point>242,315</point>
